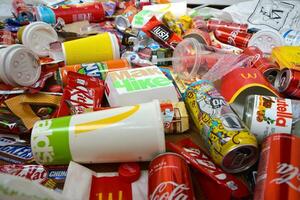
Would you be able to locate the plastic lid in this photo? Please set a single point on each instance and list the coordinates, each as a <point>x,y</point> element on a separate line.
<point>186,58</point>
<point>37,37</point>
<point>130,172</point>
<point>266,40</point>
<point>20,67</point>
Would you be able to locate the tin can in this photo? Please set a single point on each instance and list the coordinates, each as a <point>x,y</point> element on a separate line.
<point>122,22</point>
<point>99,69</point>
<point>269,69</point>
<point>278,171</point>
<point>229,142</point>
<point>288,82</point>
<point>265,115</point>
<point>169,178</point>
<point>93,12</point>
<point>212,25</point>
<point>235,38</point>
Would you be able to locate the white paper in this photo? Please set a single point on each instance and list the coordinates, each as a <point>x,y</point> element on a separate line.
<point>277,15</point>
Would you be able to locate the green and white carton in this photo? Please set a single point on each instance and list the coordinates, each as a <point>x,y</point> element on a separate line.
<point>140,85</point>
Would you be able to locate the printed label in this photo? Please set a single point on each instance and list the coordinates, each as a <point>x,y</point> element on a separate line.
<point>161,32</point>
<point>170,190</point>
<point>289,175</point>
<point>22,152</point>
<point>139,79</point>
<point>98,70</point>
<point>271,115</point>
<point>50,141</point>
<point>292,38</point>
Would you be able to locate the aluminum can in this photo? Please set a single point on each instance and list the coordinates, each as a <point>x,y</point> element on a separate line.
<point>278,170</point>
<point>235,38</point>
<point>214,24</point>
<point>288,82</point>
<point>229,142</point>
<point>169,178</point>
<point>265,115</point>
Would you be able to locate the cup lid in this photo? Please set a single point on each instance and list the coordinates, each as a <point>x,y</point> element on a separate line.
<point>20,66</point>
<point>37,37</point>
<point>266,40</point>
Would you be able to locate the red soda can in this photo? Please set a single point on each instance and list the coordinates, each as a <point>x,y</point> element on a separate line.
<point>169,178</point>
<point>93,12</point>
<point>269,69</point>
<point>212,25</point>
<point>288,82</point>
<point>235,38</point>
<point>279,168</point>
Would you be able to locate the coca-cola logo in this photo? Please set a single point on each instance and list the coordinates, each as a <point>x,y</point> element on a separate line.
<point>289,175</point>
<point>232,37</point>
<point>179,191</point>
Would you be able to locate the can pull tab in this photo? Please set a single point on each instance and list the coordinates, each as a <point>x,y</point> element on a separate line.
<point>239,159</point>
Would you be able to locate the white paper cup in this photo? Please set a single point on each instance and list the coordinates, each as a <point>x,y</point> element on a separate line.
<point>19,66</point>
<point>125,134</point>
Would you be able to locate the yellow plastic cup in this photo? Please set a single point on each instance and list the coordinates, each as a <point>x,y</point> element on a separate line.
<point>101,47</point>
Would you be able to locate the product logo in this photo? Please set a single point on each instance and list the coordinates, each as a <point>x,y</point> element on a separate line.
<point>40,143</point>
<point>139,79</point>
<point>178,191</point>
<point>93,125</point>
<point>161,32</point>
<point>57,174</point>
<point>23,152</point>
<point>249,76</point>
<point>281,116</point>
<point>232,37</point>
<point>94,69</point>
<point>289,175</point>
<point>201,159</point>
<point>81,98</point>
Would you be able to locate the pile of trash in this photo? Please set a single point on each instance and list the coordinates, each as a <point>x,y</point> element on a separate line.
<point>91,84</point>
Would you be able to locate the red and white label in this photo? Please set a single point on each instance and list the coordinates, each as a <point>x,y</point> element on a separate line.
<point>271,115</point>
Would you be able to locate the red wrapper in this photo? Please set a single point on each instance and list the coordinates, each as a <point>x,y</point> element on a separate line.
<point>209,176</point>
<point>161,33</point>
<point>83,93</point>
<point>51,177</point>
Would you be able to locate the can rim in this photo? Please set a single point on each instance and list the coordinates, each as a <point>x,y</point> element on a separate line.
<point>166,153</point>
<point>247,165</point>
<point>280,87</point>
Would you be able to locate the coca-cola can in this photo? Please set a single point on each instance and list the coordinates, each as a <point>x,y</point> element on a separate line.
<point>235,38</point>
<point>279,168</point>
<point>214,24</point>
<point>169,178</point>
<point>288,82</point>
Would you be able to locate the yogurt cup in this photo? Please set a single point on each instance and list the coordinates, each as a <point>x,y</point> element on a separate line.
<point>37,37</point>
<point>19,66</point>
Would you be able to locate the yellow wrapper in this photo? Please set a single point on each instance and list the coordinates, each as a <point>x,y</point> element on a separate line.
<point>287,57</point>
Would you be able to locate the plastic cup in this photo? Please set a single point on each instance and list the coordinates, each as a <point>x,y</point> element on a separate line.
<point>37,37</point>
<point>19,66</point>
<point>124,134</point>
<point>190,59</point>
<point>101,47</point>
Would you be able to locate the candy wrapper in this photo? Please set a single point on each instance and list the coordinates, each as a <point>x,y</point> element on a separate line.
<point>94,184</point>
<point>16,153</point>
<point>13,187</point>
<point>210,177</point>
<point>161,33</point>
<point>82,94</point>
<point>51,177</point>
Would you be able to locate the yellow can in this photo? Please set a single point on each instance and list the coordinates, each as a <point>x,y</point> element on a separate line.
<point>229,142</point>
